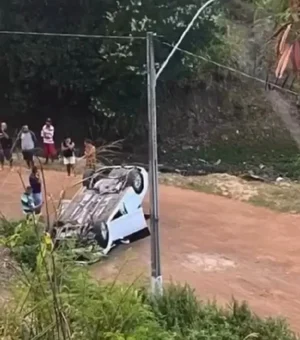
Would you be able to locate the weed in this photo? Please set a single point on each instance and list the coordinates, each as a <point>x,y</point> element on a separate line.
<point>179,311</point>
<point>58,300</point>
<point>23,240</point>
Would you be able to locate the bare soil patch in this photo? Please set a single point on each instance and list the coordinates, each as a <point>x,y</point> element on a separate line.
<point>282,196</point>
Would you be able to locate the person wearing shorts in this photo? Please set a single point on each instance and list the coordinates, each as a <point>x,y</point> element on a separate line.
<point>67,147</point>
<point>28,141</point>
<point>5,146</point>
<point>36,187</point>
<point>47,134</point>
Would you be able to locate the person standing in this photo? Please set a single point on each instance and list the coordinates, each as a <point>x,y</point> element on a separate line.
<point>28,141</point>
<point>36,187</point>
<point>90,154</point>
<point>67,147</point>
<point>47,134</point>
<point>5,146</point>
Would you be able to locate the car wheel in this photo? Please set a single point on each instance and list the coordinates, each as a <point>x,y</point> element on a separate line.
<point>101,234</point>
<point>87,177</point>
<point>136,181</point>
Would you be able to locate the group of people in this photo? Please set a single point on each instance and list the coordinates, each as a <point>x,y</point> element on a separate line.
<point>32,198</point>
<point>28,142</point>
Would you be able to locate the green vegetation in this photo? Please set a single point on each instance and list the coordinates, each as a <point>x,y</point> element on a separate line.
<point>103,80</point>
<point>237,155</point>
<point>23,240</point>
<point>56,299</point>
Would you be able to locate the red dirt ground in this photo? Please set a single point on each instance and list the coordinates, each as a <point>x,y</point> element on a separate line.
<point>222,248</point>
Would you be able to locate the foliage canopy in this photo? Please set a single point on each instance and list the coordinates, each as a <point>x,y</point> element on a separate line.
<point>103,77</point>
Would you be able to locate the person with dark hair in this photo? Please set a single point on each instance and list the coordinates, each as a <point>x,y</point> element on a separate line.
<point>36,189</point>
<point>5,146</point>
<point>67,147</point>
<point>47,134</point>
<point>89,154</point>
<point>28,141</point>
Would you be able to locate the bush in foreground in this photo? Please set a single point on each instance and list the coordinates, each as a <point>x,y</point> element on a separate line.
<point>56,299</point>
<point>179,311</point>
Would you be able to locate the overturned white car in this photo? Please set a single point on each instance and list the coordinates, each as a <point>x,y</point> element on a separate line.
<point>107,209</point>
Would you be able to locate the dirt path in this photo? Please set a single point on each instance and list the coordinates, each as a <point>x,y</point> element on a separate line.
<point>221,247</point>
<point>11,189</point>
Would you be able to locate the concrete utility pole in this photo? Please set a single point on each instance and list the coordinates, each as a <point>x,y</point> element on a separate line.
<point>156,277</point>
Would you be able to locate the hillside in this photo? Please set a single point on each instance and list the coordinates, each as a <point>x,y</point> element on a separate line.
<point>227,112</point>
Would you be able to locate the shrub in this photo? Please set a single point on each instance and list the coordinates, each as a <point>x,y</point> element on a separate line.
<point>179,310</point>
<point>23,240</point>
<point>7,228</point>
<point>68,304</point>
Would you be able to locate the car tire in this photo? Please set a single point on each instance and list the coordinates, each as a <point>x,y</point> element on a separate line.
<point>86,178</point>
<point>136,181</point>
<point>101,232</point>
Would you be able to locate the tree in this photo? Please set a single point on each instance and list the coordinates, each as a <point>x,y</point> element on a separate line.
<point>105,78</point>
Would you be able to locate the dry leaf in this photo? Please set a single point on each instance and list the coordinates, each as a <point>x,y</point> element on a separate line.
<point>283,61</point>
<point>282,44</point>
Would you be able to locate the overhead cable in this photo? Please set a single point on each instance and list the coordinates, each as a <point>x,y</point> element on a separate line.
<point>69,35</point>
<point>231,69</point>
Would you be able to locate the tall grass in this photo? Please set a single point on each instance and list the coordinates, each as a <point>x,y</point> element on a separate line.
<point>55,299</point>
<point>180,312</point>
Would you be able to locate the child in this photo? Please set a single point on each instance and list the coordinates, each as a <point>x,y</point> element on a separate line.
<point>27,202</point>
<point>36,189</point>
<point>67,147</point>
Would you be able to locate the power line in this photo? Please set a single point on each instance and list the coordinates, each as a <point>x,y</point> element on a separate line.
<point>185,32</point>
<point>69,35</point>
<point>231,69</point>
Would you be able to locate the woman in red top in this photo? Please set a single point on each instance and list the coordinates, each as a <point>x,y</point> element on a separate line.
<point>47,134</point>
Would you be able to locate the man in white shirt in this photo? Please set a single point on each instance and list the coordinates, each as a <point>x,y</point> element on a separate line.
<point>47,134</point>
<point>28,142</point>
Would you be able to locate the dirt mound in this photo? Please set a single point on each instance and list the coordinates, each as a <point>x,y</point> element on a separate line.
<point>222,184</point>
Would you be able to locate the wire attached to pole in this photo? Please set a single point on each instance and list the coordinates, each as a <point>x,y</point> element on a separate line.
<point>69,35</point>
<point>229,68</point>
<point>189,26</point>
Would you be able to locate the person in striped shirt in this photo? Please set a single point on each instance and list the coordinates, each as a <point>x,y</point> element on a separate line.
<point>47,134</point>
<point>27,202</point>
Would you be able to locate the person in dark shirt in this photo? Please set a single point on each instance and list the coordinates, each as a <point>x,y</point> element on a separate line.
<point>67,147</point>
<point>5,146</point>
<point>36,186</point>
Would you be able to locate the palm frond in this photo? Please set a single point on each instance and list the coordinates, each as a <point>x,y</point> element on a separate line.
<point>107,152</point>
